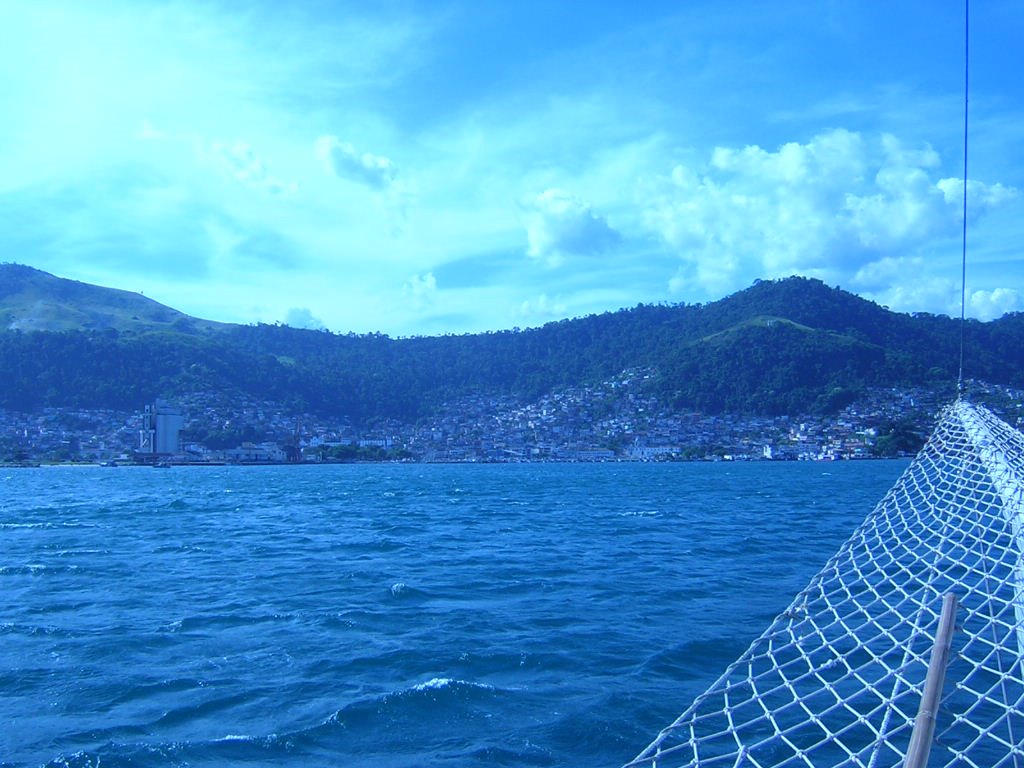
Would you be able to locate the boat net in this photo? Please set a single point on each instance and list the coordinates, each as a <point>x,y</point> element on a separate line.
<point>836,680</point>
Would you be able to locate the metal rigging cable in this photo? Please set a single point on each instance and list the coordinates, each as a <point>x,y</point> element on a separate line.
<point>963,234</point>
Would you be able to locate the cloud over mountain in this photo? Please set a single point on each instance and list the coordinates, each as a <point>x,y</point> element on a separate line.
<point>541,308</point>
<point>301,317</point>
<point>832,207</point>
<point>988,305</point>
<point>321,154</point>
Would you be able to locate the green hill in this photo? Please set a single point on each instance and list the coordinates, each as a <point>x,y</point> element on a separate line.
<point>785,346</point>
<point>33,300</point>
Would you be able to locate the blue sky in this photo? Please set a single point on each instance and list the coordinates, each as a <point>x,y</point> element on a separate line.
<point>447,167</point>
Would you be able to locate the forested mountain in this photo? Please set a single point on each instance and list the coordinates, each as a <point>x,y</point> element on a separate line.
<point>786,346</point>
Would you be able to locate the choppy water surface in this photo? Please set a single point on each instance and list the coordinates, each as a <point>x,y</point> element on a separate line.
<point>392,615</point>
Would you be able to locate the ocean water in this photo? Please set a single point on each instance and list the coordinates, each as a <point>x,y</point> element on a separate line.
<point>392,615</point>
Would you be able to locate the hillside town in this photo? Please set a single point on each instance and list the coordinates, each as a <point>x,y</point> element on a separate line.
<point>610,421</point>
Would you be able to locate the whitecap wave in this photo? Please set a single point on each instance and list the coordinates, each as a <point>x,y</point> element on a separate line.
<point>34,569</point>
<point>437,683</point>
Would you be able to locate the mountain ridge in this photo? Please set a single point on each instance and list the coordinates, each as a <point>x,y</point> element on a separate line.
<point>34,300</point>
<point>793,345</point>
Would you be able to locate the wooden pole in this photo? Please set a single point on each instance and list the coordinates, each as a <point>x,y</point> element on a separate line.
<point>924,725</point>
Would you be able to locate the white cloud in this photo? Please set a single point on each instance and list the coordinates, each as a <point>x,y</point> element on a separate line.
<point>242,162</point>
<point>345,162</point>
<point>301,317</point>
<point>988,305</point>
<point>905,285</point>
<point>886,272</point>
<point>832,207</point>
<point>236,158</point>
<point>898,154</point>
<point>924,291</point>
<point>421,290</point>
<point>542,308</point>
<point>195,191</point>
<point>559,224</point>
<point>980,197</point>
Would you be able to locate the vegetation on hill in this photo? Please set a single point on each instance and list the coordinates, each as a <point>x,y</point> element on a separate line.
<point>33,300</point>
<point>786,346</point>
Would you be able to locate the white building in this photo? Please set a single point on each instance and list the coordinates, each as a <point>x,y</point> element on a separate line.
<point>161,429</point>
<point>249,453</point>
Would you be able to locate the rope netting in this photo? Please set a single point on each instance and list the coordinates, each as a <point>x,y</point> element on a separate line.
<point>837,678</point>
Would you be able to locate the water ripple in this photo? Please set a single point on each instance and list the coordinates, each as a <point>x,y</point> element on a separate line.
<point>366,615</point>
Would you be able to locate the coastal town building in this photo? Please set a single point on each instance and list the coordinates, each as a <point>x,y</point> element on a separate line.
<point>161,429</point>
<point>608,421</point>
